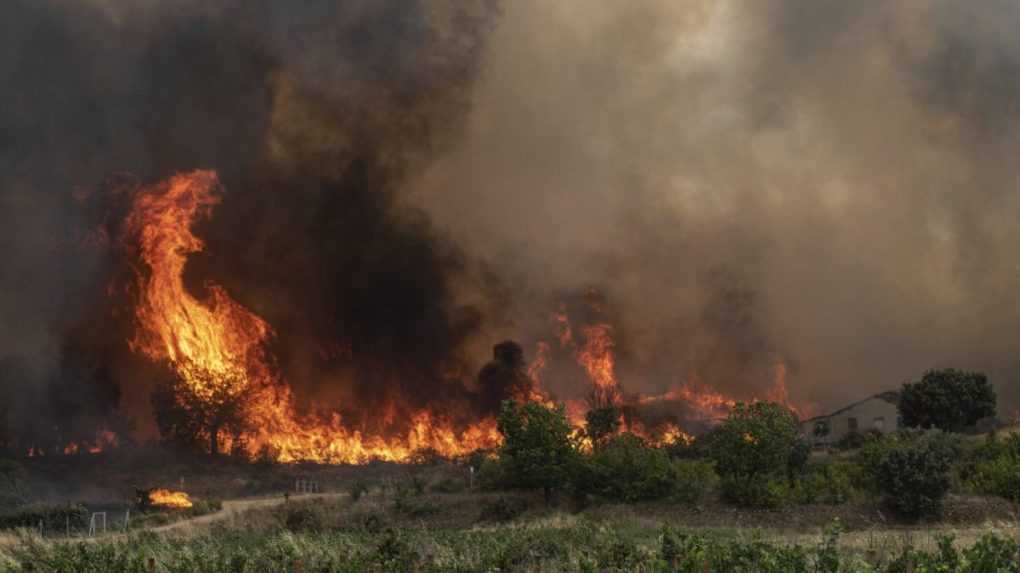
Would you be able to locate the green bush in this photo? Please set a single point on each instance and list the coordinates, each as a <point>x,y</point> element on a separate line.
<point>766,492</point>
<point>828,483</point>
<point>51,517</point>
<point>693,480</point>
<point>994,468</point>
<point>912,470</point>
<point>539,450</point>
<point>626,469</point>
<point>583,547</point>
<point>857,440</point>
<point>491,474</point>
<point>754,451</point>
<point>358,488</point>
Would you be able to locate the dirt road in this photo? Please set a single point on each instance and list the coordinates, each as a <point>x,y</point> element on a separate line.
<point>235,507</point>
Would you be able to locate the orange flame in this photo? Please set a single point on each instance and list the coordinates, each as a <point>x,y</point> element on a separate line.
<point>104,440</point>
<point>169,499</point>
<point>217,347</point>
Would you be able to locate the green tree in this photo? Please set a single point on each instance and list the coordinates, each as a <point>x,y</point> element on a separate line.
<point>949,400</point>
<point>753,451</point>
<point>538,450</point>
<point>626,469</point>
<point>601,424</point>
<point>912,470</point>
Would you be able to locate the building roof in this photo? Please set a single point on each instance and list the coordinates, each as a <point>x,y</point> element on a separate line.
<point>892,397</point>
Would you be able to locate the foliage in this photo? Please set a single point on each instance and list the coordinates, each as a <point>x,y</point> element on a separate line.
<point>538,450</point>
<point>358,488</point>
<point>995,468</point>
<point>51,517</point>
<point>450,484</point>
<point>186,418</point>
<point>754,450</point>
<point>503,509</point>
<point>601,424</point>
<point>584,546</point>
<point>857,440</point>
<point>626,469</point>
<point>912,470</point>
<point>949,400</point>
<point>765,492</point>
<point>693,480</point>
<point>827,483</point>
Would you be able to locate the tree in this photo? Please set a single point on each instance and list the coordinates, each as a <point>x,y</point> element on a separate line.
<point>912,470</point>
<point>538,450</point>
<point>601,424</point>
<point>197,412</point>
<point>949,400</point>
<point>753,451</point>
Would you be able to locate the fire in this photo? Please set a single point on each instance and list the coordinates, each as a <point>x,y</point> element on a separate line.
<point>597,359</point>
<point>104,440</point>
<point>217,347</point>
<point>169,499</point>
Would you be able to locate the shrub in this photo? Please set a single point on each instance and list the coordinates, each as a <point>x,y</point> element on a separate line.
<point>912,470</point>
<point>829,483</point>
<point>503,509</point>
<point>857,440</point>
<point>754,450</point>
<point>994,468</point>
<point>52,517</point>
<point>768,492</point>
<point>203,507</point>
<point>538,450</point>
<point>1000,477</point>
<point>450,484</point>
<point>491,474</point>
<point>303,518</point>
<point>693,480</point>
<point>626,469</point>
<point>358,488</point>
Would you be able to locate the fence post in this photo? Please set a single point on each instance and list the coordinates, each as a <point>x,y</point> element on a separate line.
<point>151,565</point>
<point>299,567</point>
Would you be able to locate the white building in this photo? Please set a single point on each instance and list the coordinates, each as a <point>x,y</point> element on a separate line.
<point>879,412</point>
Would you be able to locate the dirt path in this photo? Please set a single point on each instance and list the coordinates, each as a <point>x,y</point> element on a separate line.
<point>235,507</point>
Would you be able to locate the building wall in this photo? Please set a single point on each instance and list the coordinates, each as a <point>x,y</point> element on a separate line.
<point>872,414</point>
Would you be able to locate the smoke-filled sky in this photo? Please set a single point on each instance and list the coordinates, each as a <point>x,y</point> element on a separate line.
<point>830,183</point>
<point>824,183</point>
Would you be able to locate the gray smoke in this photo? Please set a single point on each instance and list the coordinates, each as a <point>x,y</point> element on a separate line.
<point>826,183</point>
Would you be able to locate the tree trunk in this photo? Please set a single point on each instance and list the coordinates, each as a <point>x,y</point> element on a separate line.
<point>214,440</point>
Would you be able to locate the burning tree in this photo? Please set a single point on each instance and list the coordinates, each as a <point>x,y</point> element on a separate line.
<point>202,410</point>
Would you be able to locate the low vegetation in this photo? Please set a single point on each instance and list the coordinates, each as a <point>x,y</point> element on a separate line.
<point>577,546</point>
